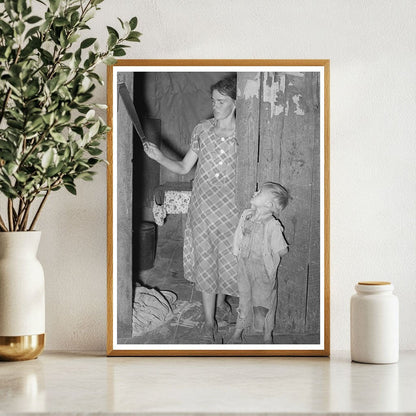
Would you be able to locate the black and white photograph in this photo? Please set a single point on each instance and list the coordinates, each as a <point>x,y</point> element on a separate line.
<point>218,208</point>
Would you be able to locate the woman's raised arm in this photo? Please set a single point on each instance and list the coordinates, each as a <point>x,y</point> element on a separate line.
<point>181,167</point>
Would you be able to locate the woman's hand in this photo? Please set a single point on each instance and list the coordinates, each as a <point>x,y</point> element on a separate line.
<point>182,167</point>
<point>152,151</point>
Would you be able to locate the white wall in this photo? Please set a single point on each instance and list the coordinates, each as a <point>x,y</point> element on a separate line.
<point>371,45</point>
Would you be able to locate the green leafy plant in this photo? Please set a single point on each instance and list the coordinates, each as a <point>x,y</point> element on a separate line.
<point>50,134</point>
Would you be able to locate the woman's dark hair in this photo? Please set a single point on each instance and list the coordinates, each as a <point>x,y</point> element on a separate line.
<point>226,86</point>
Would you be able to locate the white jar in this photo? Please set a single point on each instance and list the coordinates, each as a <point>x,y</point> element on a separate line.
<point>374,323</point>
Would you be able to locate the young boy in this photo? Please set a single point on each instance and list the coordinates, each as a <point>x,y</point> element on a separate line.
<point>259,244</point>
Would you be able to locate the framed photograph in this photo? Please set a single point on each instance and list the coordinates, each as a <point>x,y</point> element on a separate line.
<point>218,208</point>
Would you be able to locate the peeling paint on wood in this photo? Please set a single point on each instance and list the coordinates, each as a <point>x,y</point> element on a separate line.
<point>250,87</point>
<point>273,92</point>
<point>298,110</point>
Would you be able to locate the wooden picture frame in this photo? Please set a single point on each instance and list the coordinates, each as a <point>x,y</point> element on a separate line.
<point>282,135</point>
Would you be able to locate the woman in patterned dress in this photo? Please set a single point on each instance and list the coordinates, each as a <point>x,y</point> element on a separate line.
<point>212,214</point>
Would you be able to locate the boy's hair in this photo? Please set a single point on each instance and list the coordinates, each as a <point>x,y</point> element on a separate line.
<point>280,196</point>
<point>226,86</point>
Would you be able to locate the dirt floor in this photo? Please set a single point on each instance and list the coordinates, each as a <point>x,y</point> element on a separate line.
<point>184,324</point>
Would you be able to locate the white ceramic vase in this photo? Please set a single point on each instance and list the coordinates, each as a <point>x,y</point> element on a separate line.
<point>22,296</point>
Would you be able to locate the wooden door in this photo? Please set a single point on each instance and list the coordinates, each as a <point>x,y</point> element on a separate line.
<point>278,134</point>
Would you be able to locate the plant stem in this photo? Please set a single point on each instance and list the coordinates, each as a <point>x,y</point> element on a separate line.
<point>10,213</point>
<point>2,225</point>
<point>17,217</point>
<point>26,216</point>
<point>21,212</point>
<point>39,209</point>
<point>3,109</point>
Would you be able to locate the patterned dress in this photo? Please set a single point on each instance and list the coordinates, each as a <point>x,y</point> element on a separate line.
<point>213,215</point>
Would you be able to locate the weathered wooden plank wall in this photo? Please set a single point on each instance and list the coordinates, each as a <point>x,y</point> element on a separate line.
<point>272,119</point>
<point>313,305</point>
<point>285,111</point>
<point>124,213</point>
<point>247,133</point>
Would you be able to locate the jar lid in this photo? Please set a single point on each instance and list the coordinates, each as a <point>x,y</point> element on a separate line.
<point>370,287</point>
<point>374,283</point>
